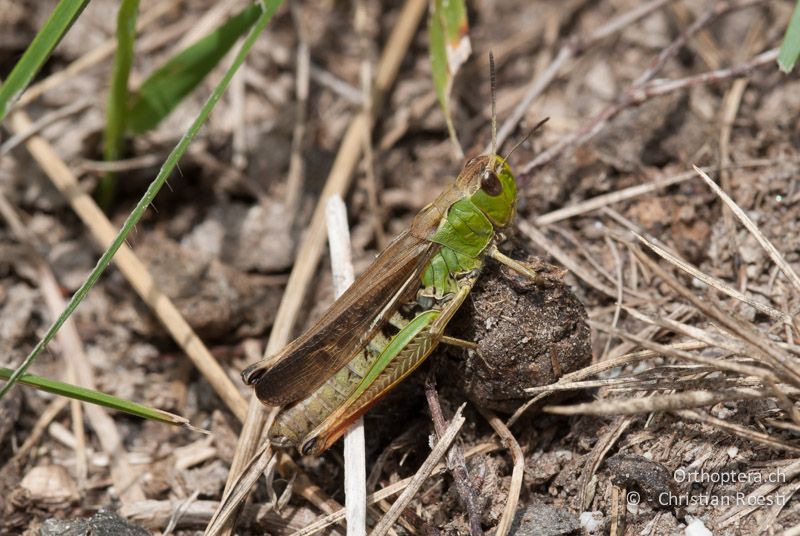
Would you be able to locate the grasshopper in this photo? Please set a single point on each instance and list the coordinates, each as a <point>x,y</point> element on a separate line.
<point>394,315</point>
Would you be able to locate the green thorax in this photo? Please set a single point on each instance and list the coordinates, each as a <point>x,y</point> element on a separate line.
<point>470,224</point>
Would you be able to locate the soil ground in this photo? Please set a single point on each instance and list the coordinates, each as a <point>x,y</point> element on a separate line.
<point>221,242</point>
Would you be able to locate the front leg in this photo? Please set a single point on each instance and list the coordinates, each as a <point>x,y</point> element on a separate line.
<point>460,343</point>
<point>517,266</point>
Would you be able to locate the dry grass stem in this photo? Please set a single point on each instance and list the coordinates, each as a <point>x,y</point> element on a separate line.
<point>235,497</point>
<point>598,454</point>
<point>342,89</point>
<point>642,89</point>
<point>310,250</point>
<point>98,54</point>
<point>361,20</point>
<point>392,489</point>
<point>518,459</point>
<point>740,368</point>
<point>455,462</point>
<point>124,478</point>
<point>573,47</point>
<point>43,122</point>
<point>295,177</point>
<point>594,369</point>
<point>632,406</point>
<point>632,192</point>
<point>51,412</point>
<point>600,201</point>
<point>774,254</point>
<point>438,452</point>
<point>736,429</point>
<point>565,259</point>
<point>759,344</point>
<point>789,473</point>
<point>129,264</point>
<point>715,283</point>
<point>355,463</point>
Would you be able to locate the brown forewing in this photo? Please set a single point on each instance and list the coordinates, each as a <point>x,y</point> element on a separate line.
<point>308,361</point>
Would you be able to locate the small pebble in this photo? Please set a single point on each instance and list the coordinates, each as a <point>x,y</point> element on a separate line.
<point>696,528</point>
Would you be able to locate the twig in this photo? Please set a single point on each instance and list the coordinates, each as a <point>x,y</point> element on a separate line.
<point>129,264</point>
<point>232,499</point>
<point>667,53</point>
<point>50,412</point>
<point>294,180</point>
<point>455,461</point>
<point>44,122</point>
<point>336,84</point>
<point>179,512</point>
<point>93,57</point>
<point>122,475</point>
<point>117,166</point>
<point>719,340</point>
<point>422,474</point>
<point>705,44</point>
<point>361,18</point>
<point>642,89</point>
<point>388,491</point>
<point>603,200</point>
<point>657,88</point>
<point>620,288</point>
<point>572,48</point>
<point>355,464</point>
<point>596,456</point>
<point>787,474</point>
<point>310,251</point>
<point>660,377</point>
<point>729,108</point>
<point>610,198</point>
<point>517,472</point>
<point>78,430</point>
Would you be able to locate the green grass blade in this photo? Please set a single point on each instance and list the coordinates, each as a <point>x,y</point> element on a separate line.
<point>167,86</point>
<point>269,8</point>
<point>448,31</point>
<point>96,397</point>
<point>790,49</point>
<point>117,108</point>
<point>60,20</point>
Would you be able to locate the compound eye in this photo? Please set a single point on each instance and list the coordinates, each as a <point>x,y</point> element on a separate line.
<point>490,183</point>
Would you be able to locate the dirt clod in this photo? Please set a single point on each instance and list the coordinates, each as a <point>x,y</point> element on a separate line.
<point>50,486</point>
<point>635,471</point>
<point>217,299</point>
<point>541,519</point>
<point>527,335</point>
<point>103,523</point>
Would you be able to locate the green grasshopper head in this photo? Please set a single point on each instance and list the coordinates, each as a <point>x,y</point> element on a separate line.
<point>491,187</point>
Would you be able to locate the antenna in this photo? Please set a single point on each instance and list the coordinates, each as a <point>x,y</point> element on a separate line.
<point>524,139</point>
<point>493,82</point>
